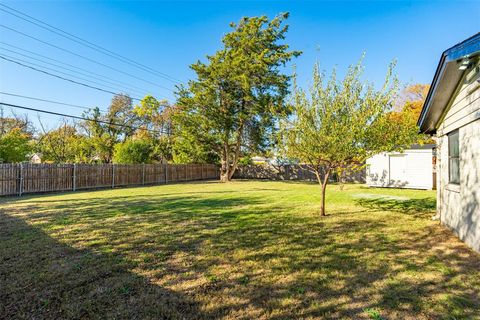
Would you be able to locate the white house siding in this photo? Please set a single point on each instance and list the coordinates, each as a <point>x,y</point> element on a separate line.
<point>459,205</point>
<point>418,173</point>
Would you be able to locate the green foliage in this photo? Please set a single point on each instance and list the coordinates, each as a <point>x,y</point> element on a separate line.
<point>238,95</point>
<point>14,146</point>
<point>162,148</point>
<point>8,124</point>
<point>337,125</point>
<point>151,112</point>
<point>118,125</point>
<point>186,149</point>
<point>373,314</point>
<point>133,151</point>
<point>156,117</point>
<point>64,145</point>
<point>247,160</point>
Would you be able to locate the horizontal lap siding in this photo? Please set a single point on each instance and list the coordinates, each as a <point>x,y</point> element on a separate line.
<point>465,106</point>
<point>459,205</point>
<point>17,179</point>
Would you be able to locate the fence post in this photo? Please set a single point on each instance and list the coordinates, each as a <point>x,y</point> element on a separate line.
<point>20,181</point>
<point>143,174</point>
<point>113,175</point>
<point>74,177</point>
<point>201,172</point>
<point>166,173</point>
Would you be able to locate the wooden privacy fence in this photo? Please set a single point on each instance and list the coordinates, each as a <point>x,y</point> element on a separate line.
<point>291,172</point>
<point>18,179</point>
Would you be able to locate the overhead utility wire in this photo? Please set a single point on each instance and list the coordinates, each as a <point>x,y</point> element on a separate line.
<point>28,63</point>
<point>83,57</point>
<point>48,101</point>
<point>109,83</point>
<point>61,77</point>
<point>87,43</point>
<point>80,118</point>
<point>66,64</point>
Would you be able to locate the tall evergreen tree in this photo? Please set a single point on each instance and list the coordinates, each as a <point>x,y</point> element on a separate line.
<point>239,92</point>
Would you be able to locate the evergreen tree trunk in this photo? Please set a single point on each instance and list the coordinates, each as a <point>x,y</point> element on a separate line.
<point>225,168</point>
<point>224,172</point>
<point>237,153</point>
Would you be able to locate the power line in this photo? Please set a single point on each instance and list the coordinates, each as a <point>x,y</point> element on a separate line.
<point>104,83</point>
<point>83,57</point>
<point>81,118</point>
<point>86,43</point>
<point>60,77</point>
<point>117,82</point>
<point>48,101</point>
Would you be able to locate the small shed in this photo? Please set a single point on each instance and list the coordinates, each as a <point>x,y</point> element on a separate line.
<point>413,168</point>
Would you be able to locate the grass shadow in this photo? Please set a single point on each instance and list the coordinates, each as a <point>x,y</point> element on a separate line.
<point>417,207</point>
<point>248,254</point>
<point>44,279</point>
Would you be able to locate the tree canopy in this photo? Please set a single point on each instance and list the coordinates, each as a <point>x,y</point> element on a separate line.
<point>338,124</point>
<point>15,146</point>
<point>238,95</point>
<point>133,151</point>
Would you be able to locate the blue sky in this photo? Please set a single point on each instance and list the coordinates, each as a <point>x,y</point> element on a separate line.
<point>169,36</point>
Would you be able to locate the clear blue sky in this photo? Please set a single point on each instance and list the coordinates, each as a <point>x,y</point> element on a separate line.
<point>169,36</point>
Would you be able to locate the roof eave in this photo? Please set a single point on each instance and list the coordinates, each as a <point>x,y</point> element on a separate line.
<point>445,82</point>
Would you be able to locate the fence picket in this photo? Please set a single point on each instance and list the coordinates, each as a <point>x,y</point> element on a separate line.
<point>19,179</point>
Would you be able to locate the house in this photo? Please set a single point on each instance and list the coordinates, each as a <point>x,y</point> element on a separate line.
<point>452,113</point>
<point>36,158</point>
<point>412,168</point>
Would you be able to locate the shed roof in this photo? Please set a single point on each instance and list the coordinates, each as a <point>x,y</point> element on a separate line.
<point>445,81</point>
<point>422,146</point>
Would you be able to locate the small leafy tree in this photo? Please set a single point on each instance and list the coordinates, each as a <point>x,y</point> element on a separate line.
<point>133,151</point>
<point>337,125</point>
<point>117,125</point>
<point>238,95</point>
<point>64,145</point>
<point>156,116</point>
<point>15,145</point>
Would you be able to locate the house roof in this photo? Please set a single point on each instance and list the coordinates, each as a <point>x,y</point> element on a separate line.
<point>445,81</point>
<point>422,146</point>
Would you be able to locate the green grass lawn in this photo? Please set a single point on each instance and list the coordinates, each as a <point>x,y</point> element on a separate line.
<point>243,250</point>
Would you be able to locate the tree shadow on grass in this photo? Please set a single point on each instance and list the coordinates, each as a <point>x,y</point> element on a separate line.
<point>42,278</point>
<point>245,258</point>
<point>417,207</point>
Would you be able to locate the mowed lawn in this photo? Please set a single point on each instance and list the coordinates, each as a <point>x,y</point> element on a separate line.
<point>243,250</point>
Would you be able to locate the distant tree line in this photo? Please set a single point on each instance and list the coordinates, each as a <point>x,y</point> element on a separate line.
<point>126,133</point>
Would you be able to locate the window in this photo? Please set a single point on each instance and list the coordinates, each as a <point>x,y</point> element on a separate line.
<point>453,158</point>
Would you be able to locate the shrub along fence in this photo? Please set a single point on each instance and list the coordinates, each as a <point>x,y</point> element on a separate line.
<point>22,178</point>
<point>291,172</point>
